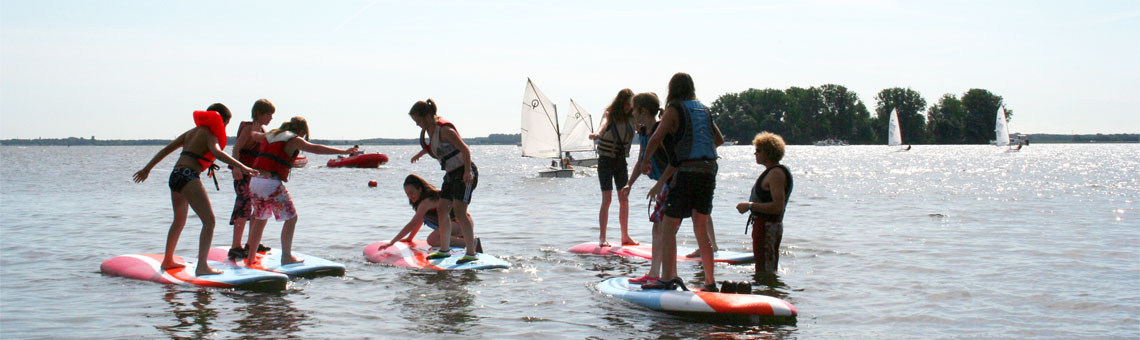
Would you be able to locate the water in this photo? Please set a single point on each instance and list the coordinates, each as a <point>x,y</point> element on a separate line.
<point>938,242</point>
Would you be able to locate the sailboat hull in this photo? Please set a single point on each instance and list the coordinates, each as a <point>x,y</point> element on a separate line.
<point>556,173</point>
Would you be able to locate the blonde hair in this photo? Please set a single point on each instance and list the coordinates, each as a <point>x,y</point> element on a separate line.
<point>771,144</point>
<point>296,125</point>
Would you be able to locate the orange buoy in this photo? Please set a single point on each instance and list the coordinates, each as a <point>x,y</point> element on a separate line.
<point>372,183</point>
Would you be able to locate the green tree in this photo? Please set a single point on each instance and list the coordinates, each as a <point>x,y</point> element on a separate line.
<point>804,116</point>
<point>909,105</point>
<point>981,110</point>
<point>945,120</point>
<point>846,114</point>
<point>741,115</point>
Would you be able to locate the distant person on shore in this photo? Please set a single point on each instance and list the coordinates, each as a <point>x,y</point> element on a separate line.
<point>460,180</point>
<point>646,107</point>
<point>200,145</point>
<point>695,137</point>
<point>279,147</point>
<point>245,150</point>
<point>424,199</point>
<point>613,140</point>
<point>767,202</point>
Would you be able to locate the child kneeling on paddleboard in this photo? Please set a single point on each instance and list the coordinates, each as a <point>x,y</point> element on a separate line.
<point>768,202</point>
<point>445,145</point>
<point>200,145</point>
<point>279,147</point>
<point>424,199</point>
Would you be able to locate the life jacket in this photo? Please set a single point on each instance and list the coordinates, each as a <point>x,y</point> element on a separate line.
<point>213,121</point>
<point>660,159</point>
<point>694,135</point>
<point>248,152</point>
<point>444,152</point>
<point>760,195</point>
<point>614,141</point>
<point>271,156</point>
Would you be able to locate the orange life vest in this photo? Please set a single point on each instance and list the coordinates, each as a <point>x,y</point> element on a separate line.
<point>213,121</point>
<point>272,158</point>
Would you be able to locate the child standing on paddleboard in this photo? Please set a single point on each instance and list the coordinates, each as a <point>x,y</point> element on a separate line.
<point>279,147</point>
<point>445,145</point>
<point>200,145</point>
<point>694,137</point>
<point>646,107</point>
<point>245,150</point>
<point>768,201</point>
<point>613,141</point>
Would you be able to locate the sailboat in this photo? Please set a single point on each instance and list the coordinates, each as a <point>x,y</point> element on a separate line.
<point>1001,130</point>
<point>541,135</point>
<point>576,135</point>
<point>894,134</point>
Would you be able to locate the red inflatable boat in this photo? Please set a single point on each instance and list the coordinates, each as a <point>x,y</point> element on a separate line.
<point>368,160</point>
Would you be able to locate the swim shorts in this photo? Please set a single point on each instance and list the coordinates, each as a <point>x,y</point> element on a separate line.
<point>611,172</point>
<point>453,187</point>
<point>180,177</point>
<point>270,198</point>
<point>243,204</point>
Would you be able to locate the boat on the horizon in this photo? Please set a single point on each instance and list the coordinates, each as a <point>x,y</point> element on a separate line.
<point>894,133</point>
<point>359,160</point>
<point>831,142</point>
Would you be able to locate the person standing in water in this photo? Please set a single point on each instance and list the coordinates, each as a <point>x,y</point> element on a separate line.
<point>245,150</point>
<point>279,147</point>
<point>768,202</point>
<point>200,145</point>
<point>445,145</point>
<point>614,140</point>
<point>695,138</point>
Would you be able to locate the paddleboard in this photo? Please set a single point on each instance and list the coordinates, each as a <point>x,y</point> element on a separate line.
<point>271,261</point>
<point>645,251</point>
<point>696,301</point>
<point>414,254</point>
<point>147,267</point>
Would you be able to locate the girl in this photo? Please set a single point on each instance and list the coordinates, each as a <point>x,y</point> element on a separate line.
<point>613,147</point>
<point>199,148</point>
<point>445,145</point>
<point>694,138</point>
<point>424,199</point>
<point>279,147</point>
<point>646,107</point>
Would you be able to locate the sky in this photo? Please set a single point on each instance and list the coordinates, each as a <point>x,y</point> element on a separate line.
<point>137,69</point>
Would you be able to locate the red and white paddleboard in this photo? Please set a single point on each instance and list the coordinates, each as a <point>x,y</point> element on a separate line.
<point>414,254</point>
<point>147,267</point>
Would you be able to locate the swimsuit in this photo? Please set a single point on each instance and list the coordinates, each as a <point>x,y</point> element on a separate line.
<point>270,198</point>
<point>180,177</point>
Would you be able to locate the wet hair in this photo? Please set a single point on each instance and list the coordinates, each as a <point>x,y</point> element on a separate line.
<point>262,106</point>
<point>648,102</point>
<point>681,88</point>
<point>427,191</point>
<point>221,110</point>
<point>617,110</point>
<point>771,144</point>
<point>296,125</point>
<point>423,108</point>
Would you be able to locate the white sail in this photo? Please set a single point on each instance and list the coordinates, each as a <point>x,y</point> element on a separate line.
<point>1001,131</point>
<point>894,135</point>
<point>577,129</point>
<point>539,124</point>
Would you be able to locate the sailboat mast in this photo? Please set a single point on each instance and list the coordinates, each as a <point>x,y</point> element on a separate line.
<point>558,133</point>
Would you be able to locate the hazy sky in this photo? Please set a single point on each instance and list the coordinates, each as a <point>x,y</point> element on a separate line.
<point>136,69</point>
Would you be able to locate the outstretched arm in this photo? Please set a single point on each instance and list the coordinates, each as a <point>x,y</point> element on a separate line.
<point>413,226</point>
<point>223,156</point>
<point>141,175</point>
<point>305,146</point>
<point>601,125</point>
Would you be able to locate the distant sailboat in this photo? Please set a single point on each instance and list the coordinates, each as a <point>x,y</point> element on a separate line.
<point>540,130</point>
<point>894,135</point>
<point>1001,130</point>
<point>576,135</point>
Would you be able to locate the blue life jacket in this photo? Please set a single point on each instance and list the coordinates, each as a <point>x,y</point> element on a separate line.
<point>660,159</point>
<point>694,136</point>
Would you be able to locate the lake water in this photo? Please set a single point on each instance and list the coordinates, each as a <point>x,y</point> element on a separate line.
<point>938,242</point>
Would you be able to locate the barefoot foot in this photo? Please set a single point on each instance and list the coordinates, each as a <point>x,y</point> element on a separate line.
<point>206,270</point>
<point>172,265</point>
<point>290,260</point>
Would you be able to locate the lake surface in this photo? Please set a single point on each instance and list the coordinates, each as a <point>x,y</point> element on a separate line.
<point>937,242</point>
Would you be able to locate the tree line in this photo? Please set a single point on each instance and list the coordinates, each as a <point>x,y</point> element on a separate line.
<point>806,115</point>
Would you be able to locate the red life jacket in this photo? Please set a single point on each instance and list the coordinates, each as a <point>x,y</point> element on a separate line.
<point>213,121</point>
<point>271,156</point>
<point>426,144</point>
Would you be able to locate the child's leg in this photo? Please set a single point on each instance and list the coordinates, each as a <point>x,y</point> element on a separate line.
<point>239,229</point>
<point>256,227</point>
<point>466,225</point>
<point>712,240</point>
<point>669,248</point>
<point>604,217</point>
<point>623,218</point>
<point>701,229</point>
<point>287,242</point>
<point>658,249</point>
<point>180,208</point>
<point>195,195</point>
<point>444,218</point>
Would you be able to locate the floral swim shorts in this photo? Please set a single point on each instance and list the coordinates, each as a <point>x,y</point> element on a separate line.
<point>271,199</point>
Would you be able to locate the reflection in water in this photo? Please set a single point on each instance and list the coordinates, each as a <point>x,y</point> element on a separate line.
<point>442,304</point>
<point>265,314</point>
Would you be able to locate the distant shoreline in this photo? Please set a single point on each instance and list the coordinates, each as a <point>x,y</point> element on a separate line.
<point>511,139</point>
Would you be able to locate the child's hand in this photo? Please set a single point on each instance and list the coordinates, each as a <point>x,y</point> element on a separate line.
<point>382,246</point>
<point>141,175</point>
<point>251,171</point>
<point>652,194</point>
<point>624,191</point>
<point>742,207</point>
<point>416,157</point>
<point>468,178</point>
<point>593,136</point>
